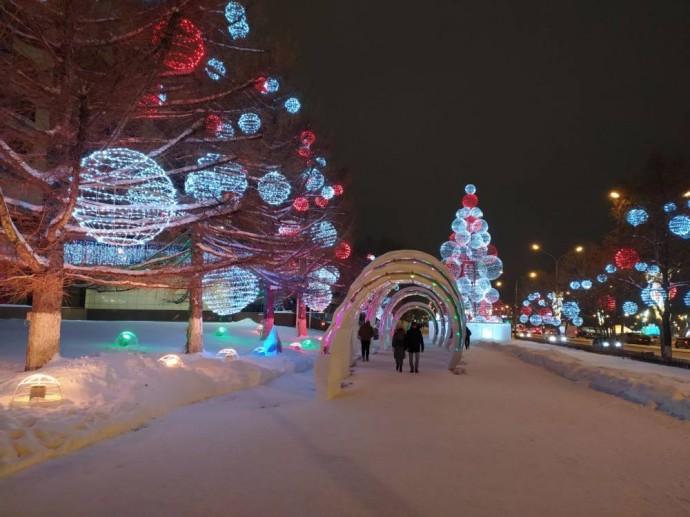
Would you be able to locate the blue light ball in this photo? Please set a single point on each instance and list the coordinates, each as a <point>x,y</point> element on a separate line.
<point>274,188</point>
<point>249,123</point>
<point>292,105</point>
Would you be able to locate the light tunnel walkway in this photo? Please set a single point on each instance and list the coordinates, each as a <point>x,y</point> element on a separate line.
<point>385,291</point>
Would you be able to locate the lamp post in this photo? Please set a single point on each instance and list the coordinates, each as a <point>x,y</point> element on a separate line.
<point>556,260</point>
<point>532,275</point>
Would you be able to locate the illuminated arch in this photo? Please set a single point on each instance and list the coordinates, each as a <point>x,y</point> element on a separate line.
<point>413,269</point>
<point>388,322</point>
<point>405,308</point>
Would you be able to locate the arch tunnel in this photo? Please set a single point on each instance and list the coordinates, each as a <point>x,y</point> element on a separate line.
<point>387,289</point>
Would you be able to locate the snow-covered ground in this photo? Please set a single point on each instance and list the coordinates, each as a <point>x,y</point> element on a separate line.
<point>108,389</point>
<point>504,438</point>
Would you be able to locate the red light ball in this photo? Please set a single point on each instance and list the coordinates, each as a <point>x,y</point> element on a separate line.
<point>304,152</point>
<point>343,251</point>
<point>321,201</point>
<point>470,201</point>
<point>307,138</point>
<point>301,204</point>
<point>213,123</point>
<point>260,85</point>
<point>338,189</point>
<point>186,50</point>
<point>626,258</point>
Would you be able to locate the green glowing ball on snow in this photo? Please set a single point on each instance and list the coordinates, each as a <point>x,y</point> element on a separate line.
<point>221,331</point>
<point>127,338</point>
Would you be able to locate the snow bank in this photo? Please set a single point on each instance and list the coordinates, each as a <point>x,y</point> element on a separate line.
<point>663,388</point>
<point>113,390</point>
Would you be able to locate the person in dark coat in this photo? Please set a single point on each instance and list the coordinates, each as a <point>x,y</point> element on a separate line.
<point>366,332</point>
<point>399,346</point>
<point>468,333</point>
<point>415,345</point>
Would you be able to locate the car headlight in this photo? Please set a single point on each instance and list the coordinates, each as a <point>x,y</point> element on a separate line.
<point>552,339</point>
<point>618,344</point>
<point>521,334</point>
<point>529,334</point>
<point>606,343</point>
<point>564,339</point>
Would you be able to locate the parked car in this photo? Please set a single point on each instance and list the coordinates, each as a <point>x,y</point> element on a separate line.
<point>637,339</point>
<point>682,342</point>
<point>606,342</point>
<point>586,332</point>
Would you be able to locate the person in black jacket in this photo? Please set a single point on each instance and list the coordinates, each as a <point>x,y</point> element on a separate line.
<point>468,333</point>
<point>366,332</point>
<point>399,346</point>
<point>415,345</point>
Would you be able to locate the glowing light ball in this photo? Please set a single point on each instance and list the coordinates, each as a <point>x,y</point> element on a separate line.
<point>686,299</point>
<point>327,192</point>
<point>228,291</point>
<point>125,198</point>
<point>490,267</point>
<point>535,320</point>
<point>321,161</point>
<point>448,249</point>
<point>313,179</point>
<point>216,181</point>
<point>526,310</point>
<point>215,69</point>
<point>301,204</point>
<point>37,387</point>
<point>524,319</point>
<point>482,285</point>
<point>225,131</point>
<point>326,275</point>
<point>586,284</point>
<point>228,354</point>
<point>249,123</point>
<point>222,331</point>
<point>459,225</point>
<point>292,105</point>
<point>641,266</point>
<point>470,189</point>
<point>318,296</point>
<point>321,201</point>
<point>289,229</point>
<point>304,152</point>
<point>126,338</point>
<point>307,138</point>
<point>186,46</point>
<point>274,188</point>
<point>213,123</point>
<point>670,207</point>
<point>171,361</point>
<point>637,217</point>
<point>236,15</point>
<point>607,303</point>
<point>610,268</point>
<point>570,310</point>
<point>629,308</point>
<point>654,270</point>
<point>462,237</point>
<point>680,226</point>
<point>577,321</point>
<point>343,251</point>
<point>626,258</point>
<point>324,234</point>
<point>476,212</point>
<point>470,201</point>
<point>267,85</point>
<point>462,213</point>
<point>492,295</point>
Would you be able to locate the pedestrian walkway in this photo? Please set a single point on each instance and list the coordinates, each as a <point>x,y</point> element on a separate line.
<point>506,438</point>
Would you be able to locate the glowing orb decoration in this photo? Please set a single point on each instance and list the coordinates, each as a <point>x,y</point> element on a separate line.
<point>490,267</point>
<point>186,47</point>
<point>626,258</point>
<point>236,15</point>
<point>225,131</point>
<point>324,234</point>
<point>492,295</point>
<point>654,270</point>
<point>126,338</point>
<point>686,299</point>
<point>318,296</point>
<point>680,226</point>
<point>629,308</point>
<point>670,207</point>
<point>321,201</point>
<point>321,161</point>
<point>459,225</point>
<point>215,69</point>
<point>586,284</point>
<point>213,123</point>
<point>307,138</point>
<point>607,303</point>
<point>217,181</point>
<point>637,217</point>
<point>267,85</point>
<point>610,269</point>
<point>289,229</point>
<point>125,198</point>
<point>535,320</point>
<point>574,285</point>
<point>470,201</point>
<point>301,204</point>
<point>37,388</point>
<point>326,275</point>
<point>228,291</point>
<point>249,123</point>
<point>476,212</point>
<point>641,266</point>
<point>327,192</point>
<point>171,361</point>
<point>343,251</point>
<point>524,319</point>
<point>338,189</point>
<point>274,188</point>
<point>577,321</point>
<point>470,189</point>
<point>313,179</point>
<point>222,331</point>
<point>228,354</point>
<point>292,105</point>
<point>570,310</point>
<point>526,310</point>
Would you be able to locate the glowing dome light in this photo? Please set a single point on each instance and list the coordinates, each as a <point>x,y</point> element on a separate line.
<point>641,266</point>
<point>125,198</point>
<point>313,179</point>
<point>577,321</point>
<point>629,308</point>
<point>215,69</point>
<point>637,216</point>
<point>37,388</point>
<point>301,204</point>
<point>292,105</point>
<point>343,251</point>
<point>318,296</point>
<point>470,189</point>
<point>228,354</point>
<point>274,188</point>
<point>321,161</point>
<point>171,361</point>
<point>214,182</point>
<point>680,226</point>
<point>186,49</point>
<point>126,338</point>
<point>249,123</point>
<point>228,291</point>
<point>610,268</point>
<point>236,15</point>
<point>222,331</point>
<point>670,207</point>
<point>327,192</point>
<point>574,284</point>
<point>586,284</point>
<point>324,234</point>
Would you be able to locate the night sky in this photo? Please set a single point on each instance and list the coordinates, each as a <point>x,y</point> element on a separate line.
<point>543,105</point>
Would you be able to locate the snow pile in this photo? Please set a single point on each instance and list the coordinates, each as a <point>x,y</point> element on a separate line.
<point>662,388</point>
<point>113,391</point>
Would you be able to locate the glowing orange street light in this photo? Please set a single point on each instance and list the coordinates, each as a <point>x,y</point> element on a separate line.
<point>532,274</point>
<point>614,195</point>
<point>579,249</point>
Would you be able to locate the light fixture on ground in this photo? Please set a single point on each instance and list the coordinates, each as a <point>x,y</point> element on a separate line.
<point>37,388</point>
<point>171,361</point>
<point>229,354</point>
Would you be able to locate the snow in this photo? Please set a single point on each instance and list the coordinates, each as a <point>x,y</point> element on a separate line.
<point>505,438</point>
<point>109,389</point>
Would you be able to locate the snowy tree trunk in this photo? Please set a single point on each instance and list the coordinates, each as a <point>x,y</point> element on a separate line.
<point>301,317</point>
<point>269,317</point>
<point>45,319</point>
<point>195,333</point>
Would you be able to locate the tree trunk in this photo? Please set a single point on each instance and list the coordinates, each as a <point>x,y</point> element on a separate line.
<point>269,317</point>
<point>301,317</point>
<point>45,319</point>
<point>195,331</point>
<point>666,335</point>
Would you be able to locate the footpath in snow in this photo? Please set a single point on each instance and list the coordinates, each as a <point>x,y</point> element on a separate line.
<point>505,438</point>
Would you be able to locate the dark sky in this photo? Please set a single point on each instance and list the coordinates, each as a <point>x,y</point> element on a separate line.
<point>543,105</point>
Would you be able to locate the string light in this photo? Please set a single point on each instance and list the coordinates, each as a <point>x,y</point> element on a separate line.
<point>94,253</point>
<point>236,15</point>
<point>686,299</point>
<point>637,216</point>
<point>249,123</point>
<point>228,291</point>
<point>186,47</point>
<point>292,105</point>
<point>215,69</point>
<point>324,234</point>
<point>274,188</point>
<point>213,183</point>
<point>680,226</point>
<point>125,198</point>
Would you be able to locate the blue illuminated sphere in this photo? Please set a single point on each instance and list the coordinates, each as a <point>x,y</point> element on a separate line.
<point>525,303</point>
<point>448,248</point>
<point>274,188</point>
<point>463,212</point>
<point>228,291</point>
<point>236,16</point>
<point>680,226</point>
<point>476,212</point>
<point>629,308</point>
<point>577,321</point>
<point>574,284</point>
<point>610,268</point>
<point>586,284</point>
<point>654,270</point>
<point>535,320</point>
<point>239,30</point>
<point>482,285</point>
<point>459,225</point>
<point>686,299</point>
<point>531,297</point>
<point>249,123</point>
<point>601,278</point>
<point>492,295</point>
<point>670,207</point>
<point>271,85</point>
<point>470,189</point>
<point>524,319</point>
<point>313,180</point>
<point>324,234</point>
<point>321,161</point>
<point>541,303</point>
<point>570,310</point>
<point>328,192</point>
<point>292,105</point>
<point>215,69</point>
<point>214,182</point>
<point>641,266</point>
<point>226,131</point>
<point>637,216</point>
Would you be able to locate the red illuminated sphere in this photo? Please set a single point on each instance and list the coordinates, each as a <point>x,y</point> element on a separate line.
<point>545,312</point>
<point>301,204</point>
<point>307,138</point>
<point>304,152</point>
<point>186,50</point>
<point>626,258</point>
<point>338,189</point>
<point>607,303</point>
<point>213,123</point>
<point>260,85</point>
<point>321,201</point>
<point>343,250</point>
<point>470,201</point>
<point>491,250</point>
<point>526,310</point>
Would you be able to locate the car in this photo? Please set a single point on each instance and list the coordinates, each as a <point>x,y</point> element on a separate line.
<point>608,342</point>
<point>682,342</point>
<point>634,338</point>
<point>586,332</point>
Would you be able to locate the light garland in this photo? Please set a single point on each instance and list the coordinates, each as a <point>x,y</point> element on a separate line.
<point>324,234</point>
<point>680,226</point>
<point>313,179</point>
<point>274,188</point>
<point>228,291</point>
<point>215,69</point>
<point>92,253</point>
<point>249,123</point>
<point>215,182</point>
<point>186,48</point>
<point>236,15</point>
<point>292,105</point>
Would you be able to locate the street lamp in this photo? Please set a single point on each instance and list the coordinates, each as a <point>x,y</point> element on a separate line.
<point>556,260</point>
<point>614,194</point>
<point>532,275</point>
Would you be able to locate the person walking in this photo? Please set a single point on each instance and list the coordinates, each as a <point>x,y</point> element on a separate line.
<point>468,333</point>
<point>415,345</point>
<point>366,332</point>
<point>399,346</point>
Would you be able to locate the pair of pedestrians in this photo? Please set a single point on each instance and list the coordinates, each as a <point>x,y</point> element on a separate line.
<point>411,342</point>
